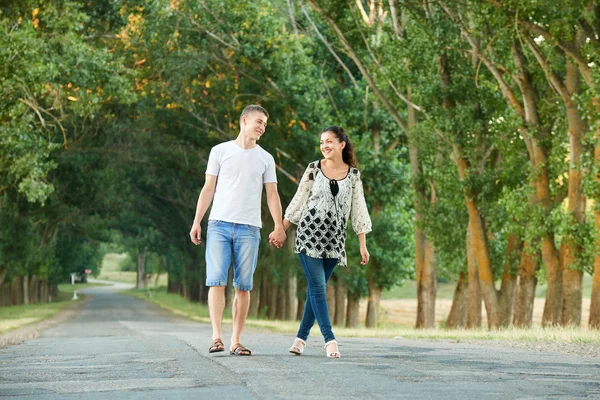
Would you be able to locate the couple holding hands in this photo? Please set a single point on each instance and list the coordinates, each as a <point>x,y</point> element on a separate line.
<point>329,193</point>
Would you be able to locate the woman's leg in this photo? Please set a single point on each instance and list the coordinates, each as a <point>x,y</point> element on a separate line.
<point>308,319</point>
<point>317,272</point>
<point>329,264</point>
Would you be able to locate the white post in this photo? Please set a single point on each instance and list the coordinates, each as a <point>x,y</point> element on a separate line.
<point>73,278</point>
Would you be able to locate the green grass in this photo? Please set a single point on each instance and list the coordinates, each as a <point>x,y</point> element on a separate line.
<point>537,334</point>
<point>409,291</point>
<point>175,303</point>
<point>13,317</point>
<point>111,271</point>
<point>446,290</point>
<point>199,312</point>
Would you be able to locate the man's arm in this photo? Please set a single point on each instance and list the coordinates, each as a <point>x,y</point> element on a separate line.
<point>274,203</point>
<point>206,197</point>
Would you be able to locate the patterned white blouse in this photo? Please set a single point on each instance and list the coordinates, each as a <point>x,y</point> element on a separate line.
<point>321,218</point>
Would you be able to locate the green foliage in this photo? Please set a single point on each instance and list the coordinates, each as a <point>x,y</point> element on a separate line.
<point>109,110</point>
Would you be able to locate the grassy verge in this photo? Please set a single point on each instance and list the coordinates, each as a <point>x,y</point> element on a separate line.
<point>111,271</point>
<point>199,312</point>
<point>13,317</point>
<point>445,290</point>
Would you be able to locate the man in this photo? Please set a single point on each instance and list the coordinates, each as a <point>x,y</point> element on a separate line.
<point>235,174</point>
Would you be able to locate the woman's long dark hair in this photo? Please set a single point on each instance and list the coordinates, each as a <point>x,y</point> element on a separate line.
<point>348,152</point>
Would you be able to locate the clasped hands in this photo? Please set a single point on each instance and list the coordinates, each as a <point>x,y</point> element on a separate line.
<point>277,237</point>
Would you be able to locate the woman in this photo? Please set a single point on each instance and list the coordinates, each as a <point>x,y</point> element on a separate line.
<point>330,191</point>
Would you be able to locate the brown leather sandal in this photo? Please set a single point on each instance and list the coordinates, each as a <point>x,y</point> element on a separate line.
<point>240,350</point>
<point>216,346</point>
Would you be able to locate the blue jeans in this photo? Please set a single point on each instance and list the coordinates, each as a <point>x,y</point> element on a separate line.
<point>317,271</point>
<point>224,240</point>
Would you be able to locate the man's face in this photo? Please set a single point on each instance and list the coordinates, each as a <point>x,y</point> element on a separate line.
<point>254,125</point>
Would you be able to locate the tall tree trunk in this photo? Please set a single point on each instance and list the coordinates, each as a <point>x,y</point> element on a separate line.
<point>254,302</point>
<point>572,284</point>
<point>482,254</point>
<point>340,302</point>
<point>457,317</point>
<point>552,306</point>
<point>194,279</point>
<point>26,289</point>
<point>373,267</point>
<point>523,311</point>
<point>3,272</point>
<point>203,289</point>
<point>300,310</point>
<point>532,130</point>
<point>291,281</point>
<point>538,159</point>
<point>507,299</point>
<point>5,294</point>
<point>330,294</point>
<point>570,250</point>
<point>47,295</point>
<point>180,288</point>
<point>17,292</point>
<point>473,290</point>
<point>509,280</point>
<point>34,287</point>
<point>170,284</point>
<point>292,287</point>
<point>281,301</point>
<point>52,291</point>
<point>594,321</point>
<point>273,301</point>
<point>141,270</point>
<point>352,313</point>
<point>484,265</point>
<point>265,289</point>
<point>427,289</point>
<point>373,304</point>
<point>424,249</point>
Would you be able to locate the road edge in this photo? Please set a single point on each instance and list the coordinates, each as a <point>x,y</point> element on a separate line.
<point>34,330</point>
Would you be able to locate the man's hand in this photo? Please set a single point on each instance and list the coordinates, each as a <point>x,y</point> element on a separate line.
<point>277,237</point>
<point>195,233</point>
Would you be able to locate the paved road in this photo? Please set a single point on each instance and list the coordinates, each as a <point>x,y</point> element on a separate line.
<point>117,347</point>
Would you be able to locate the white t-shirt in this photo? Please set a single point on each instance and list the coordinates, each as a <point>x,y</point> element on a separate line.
<point>241,175</point>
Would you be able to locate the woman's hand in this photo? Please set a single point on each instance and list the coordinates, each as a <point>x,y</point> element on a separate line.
<point>364,253</point>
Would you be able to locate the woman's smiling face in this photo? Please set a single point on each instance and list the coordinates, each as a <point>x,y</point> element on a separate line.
<point>331,147</point>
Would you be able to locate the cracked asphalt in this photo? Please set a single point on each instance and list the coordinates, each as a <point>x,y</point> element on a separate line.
<point>117,347</point>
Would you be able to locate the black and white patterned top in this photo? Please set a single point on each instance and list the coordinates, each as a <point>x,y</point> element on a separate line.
<point>321,218</point>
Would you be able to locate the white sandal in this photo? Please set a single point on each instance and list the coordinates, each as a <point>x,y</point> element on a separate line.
<point>332,354</point>
<point>297,350</point>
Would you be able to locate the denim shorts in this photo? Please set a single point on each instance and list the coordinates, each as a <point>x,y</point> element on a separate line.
<point>226,241</point>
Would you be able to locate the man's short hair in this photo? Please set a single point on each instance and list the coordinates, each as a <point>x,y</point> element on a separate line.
<point>251,108</point>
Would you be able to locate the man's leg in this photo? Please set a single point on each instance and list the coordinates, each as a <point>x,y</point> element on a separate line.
<point>241,304</point>
<point>216,307</point>
<point>218,259</point>
<point>245,254</point>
